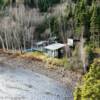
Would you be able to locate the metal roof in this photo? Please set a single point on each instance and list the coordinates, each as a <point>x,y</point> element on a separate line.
<point>41,42</point>
<point>55,46</point>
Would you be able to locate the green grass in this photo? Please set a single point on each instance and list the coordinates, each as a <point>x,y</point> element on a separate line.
<point>49,61</point>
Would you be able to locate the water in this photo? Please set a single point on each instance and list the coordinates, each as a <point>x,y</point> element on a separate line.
<point>21,84</point>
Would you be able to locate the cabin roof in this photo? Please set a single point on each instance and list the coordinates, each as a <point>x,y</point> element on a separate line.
<point>55,46</point>
<point>41,42</point>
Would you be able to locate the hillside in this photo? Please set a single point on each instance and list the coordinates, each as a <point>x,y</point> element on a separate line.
<point>61,38</point>
<point>31,21</point>
<point>57,18</point>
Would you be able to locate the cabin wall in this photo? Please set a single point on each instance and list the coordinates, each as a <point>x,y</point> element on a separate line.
<point>52,53</point>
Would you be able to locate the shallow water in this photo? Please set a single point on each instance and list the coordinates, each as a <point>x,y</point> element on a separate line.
<point>22,84</point>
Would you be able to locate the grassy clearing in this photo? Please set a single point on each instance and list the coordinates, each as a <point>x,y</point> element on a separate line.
<point>54,63</point>
<point>49,61</point>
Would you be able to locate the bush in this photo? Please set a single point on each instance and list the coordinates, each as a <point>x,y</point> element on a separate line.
<point>55,62</point>
<point>90,89</point>
<point>75,62</point>
<point>90,54</point>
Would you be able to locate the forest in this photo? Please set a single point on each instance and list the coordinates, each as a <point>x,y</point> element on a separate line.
<point>25,22</point>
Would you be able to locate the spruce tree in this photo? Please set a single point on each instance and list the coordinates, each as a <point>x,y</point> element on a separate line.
<point>95,25</point>
<point>1,3</point>
<point>81,17</point>
<point>95,19</point>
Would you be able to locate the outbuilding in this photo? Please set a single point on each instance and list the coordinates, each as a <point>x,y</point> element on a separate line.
<point>55,50</point>
<point>40,45</point>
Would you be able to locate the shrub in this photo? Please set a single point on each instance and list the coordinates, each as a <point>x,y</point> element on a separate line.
<point>55,62</point>
<point>75,62</point>
<point>90,89</point>
<point>90,54</point>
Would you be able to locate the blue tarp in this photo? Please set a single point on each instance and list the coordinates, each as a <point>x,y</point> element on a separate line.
<point>31,49</point>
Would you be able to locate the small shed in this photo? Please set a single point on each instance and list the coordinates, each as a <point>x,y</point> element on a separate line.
<point>40,45</point>
<point>70,42</point>
<point>55,50</point>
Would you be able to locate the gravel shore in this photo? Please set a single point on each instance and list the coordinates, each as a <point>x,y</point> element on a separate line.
<point>60,74</point>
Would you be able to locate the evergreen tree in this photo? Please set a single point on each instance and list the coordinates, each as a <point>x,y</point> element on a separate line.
<point>95,19</point>
<point>74,1</point>
<point>30,3</point>
<point>81,17</point>
<point>45,4</point>
<point>95,25</point>
<point>1,3</point>
<point>89,2</point>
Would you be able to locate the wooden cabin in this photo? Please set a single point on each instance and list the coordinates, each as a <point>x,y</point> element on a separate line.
<point>55,50</point>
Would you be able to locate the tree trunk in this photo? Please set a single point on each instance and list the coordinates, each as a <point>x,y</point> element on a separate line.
<point>82,51</point>
<point>2,42</point>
